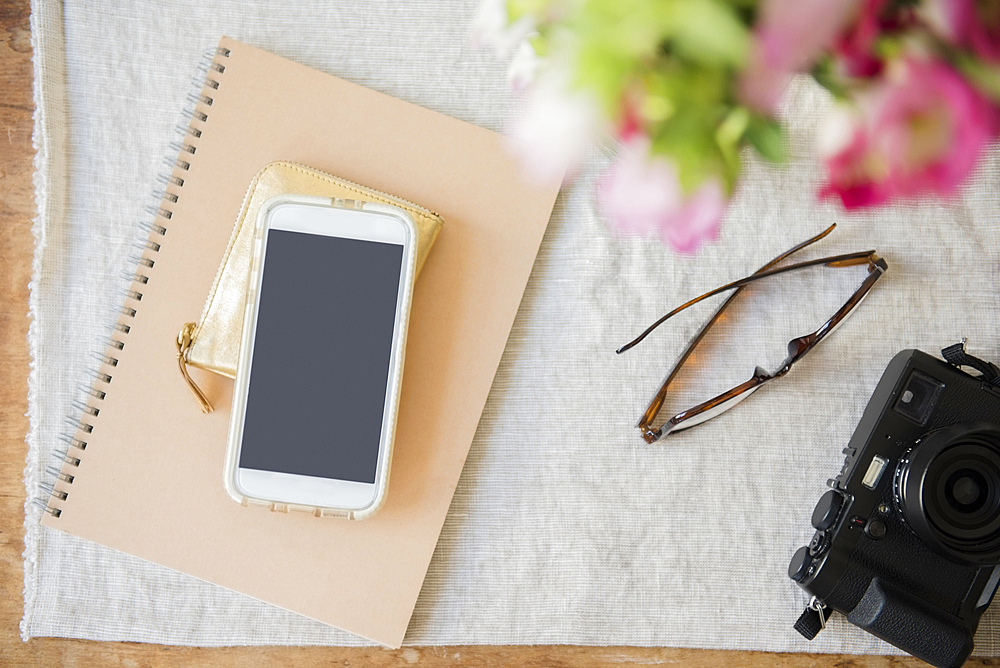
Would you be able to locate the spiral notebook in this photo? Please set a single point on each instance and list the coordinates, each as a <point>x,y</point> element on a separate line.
<point>143,468</point>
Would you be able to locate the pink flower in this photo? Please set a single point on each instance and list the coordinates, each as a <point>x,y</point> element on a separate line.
<point>922,130</point>
<point>790,36</point>
<point>641,194</point>
<point>857,174</point>
<point>855,46</point>
<point>967,23</point>
<point>699,218</point>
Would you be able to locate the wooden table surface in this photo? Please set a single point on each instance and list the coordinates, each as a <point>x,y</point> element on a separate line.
<point>16,248</point>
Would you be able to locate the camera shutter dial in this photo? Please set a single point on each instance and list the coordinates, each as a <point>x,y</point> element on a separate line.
<point>827,509</point>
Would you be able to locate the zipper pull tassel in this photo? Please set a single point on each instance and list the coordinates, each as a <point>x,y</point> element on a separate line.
<point>184,341</point>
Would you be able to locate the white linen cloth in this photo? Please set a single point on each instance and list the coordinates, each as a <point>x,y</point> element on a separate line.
<point>566,527</point>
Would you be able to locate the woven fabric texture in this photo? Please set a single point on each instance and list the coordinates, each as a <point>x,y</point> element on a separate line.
<point>566,527</point>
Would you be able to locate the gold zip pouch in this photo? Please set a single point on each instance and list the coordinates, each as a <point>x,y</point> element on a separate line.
<point>213,343</point>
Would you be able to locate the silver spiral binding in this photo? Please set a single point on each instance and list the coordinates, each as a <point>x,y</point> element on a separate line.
<point>57,474</point>
<point>93,391</point>
<point>53,490</point>
<point>138,278</point>
<point>43,506</point>
<point>198,98</point>
<point>106,359</point>
<point>75,438</point>
<point>99,375</point>
<point>79,425</point>
<point>171,180</point>
<point>140,261</point>
<point>73,443</point>
<point>181,147</point>
<point>85,408</point>
<point>67,458</point>
<point>184,130</point>
<point>149,245</point>
<point>163,195</point>
<point>131,294</point>
<point>177,163</point>
<point>159,212</point>
<point>195,115</point>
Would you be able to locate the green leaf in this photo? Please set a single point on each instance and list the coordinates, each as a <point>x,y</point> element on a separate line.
<point>710,32</point>
<point>824,74</point>
<point>984,77</point>
<point>519,8</point>
<point>768,138</point>
<point>540,44</point>
<point>731,130</point>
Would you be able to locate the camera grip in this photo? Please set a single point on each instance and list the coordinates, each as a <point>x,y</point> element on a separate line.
<point>897,617</point>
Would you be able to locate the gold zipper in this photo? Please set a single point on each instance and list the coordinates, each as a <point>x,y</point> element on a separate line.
<point>184,341</point>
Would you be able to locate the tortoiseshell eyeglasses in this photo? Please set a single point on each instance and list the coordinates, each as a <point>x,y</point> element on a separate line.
<point>797,347</point>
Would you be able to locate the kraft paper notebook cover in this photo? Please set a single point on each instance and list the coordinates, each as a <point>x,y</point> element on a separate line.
<point>149,482</point>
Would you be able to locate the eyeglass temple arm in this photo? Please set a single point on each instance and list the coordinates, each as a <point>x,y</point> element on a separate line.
<point>718,313</point>
<point>846,260</point>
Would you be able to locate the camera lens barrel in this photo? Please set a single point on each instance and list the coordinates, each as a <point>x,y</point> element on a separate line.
<point>948,489</point>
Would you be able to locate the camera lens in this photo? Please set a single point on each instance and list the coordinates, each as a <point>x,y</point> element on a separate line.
<point>948,488</point>
<point>965,491</point>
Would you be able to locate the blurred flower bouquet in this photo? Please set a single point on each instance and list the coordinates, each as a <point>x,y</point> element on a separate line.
<point>684,85</point>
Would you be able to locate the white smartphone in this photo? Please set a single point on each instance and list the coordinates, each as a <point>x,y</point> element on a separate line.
<point>321,358</point>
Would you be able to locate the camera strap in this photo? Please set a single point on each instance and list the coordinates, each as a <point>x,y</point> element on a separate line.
<point>813,619</point>
<point>957,356</point>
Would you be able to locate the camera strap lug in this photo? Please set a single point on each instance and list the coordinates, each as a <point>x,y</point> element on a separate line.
<point>958,357</point>
<point>813,619</point>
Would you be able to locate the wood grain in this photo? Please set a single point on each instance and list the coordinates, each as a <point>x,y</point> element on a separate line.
<point>16,248</point>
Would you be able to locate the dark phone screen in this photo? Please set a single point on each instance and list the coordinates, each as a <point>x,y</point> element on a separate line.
<point>321,356</point>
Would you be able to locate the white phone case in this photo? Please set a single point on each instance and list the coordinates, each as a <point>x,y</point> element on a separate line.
<point>396,366</point>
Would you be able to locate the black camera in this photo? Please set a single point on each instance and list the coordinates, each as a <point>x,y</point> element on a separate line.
<point>907,541</point>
